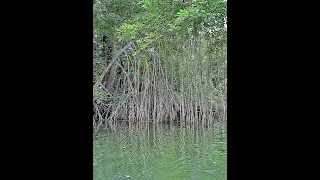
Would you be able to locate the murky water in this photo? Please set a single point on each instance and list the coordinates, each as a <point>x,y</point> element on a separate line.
<point>160,152</point>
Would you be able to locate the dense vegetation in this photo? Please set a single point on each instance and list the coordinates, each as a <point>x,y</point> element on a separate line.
<point>159,60</point>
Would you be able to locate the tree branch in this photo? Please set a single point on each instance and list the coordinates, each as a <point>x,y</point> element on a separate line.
<point>99,80</point>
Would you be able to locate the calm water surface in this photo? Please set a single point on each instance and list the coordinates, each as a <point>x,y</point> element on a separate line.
<point>160,152</point>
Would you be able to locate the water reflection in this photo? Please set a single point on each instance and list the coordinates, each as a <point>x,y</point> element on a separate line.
<point>160,151</point>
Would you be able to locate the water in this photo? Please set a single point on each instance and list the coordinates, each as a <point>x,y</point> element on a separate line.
<point>160,152</point>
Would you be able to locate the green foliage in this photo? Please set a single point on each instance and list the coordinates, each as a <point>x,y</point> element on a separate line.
<point>99,95</point>
<point>109,15</point>
<point>161,20</point>
<point>150,21</point>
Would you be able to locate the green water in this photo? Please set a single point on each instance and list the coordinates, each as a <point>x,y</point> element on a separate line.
<point>160,152</point>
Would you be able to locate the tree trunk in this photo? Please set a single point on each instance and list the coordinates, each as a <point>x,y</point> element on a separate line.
<point>99,80</point>
<point>112,74</point>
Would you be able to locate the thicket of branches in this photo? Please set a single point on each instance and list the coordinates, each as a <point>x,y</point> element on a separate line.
<point>159,61</point>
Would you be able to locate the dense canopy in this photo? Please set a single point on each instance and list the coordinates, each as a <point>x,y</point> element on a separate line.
<point>159,60</point>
